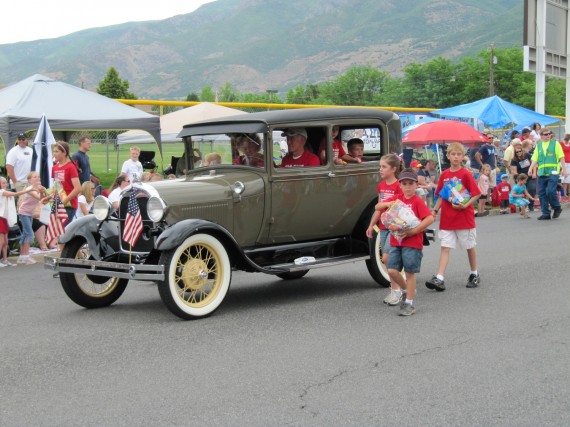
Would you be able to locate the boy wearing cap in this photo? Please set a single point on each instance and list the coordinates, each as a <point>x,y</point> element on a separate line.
<point>457,222</point>
<point>407,253</point>
<point>19,163</point>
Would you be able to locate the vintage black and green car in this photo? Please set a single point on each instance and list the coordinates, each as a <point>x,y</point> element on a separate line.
<point>244,201</point>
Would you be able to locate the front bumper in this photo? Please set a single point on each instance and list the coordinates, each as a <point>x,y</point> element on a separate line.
<point>105,268</point>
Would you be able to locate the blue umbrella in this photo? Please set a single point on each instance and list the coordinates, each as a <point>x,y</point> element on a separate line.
<point>42,157</point>
<point>496,112</point>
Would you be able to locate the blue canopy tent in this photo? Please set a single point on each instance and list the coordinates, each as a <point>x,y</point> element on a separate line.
<point>495,112</point>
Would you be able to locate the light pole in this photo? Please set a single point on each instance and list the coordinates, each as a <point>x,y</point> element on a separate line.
<point>271,93</point>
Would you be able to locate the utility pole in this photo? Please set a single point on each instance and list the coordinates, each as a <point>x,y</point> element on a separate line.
<point>492,71</point>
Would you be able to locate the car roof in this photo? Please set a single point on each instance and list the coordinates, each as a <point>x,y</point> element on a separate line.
<point>260,122</point>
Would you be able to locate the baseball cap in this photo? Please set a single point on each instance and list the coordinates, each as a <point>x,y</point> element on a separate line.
<point>22,135</point>
<point>295,131</point>
<point>504,176</point>
<point>408,175</point>
<point>415,164</point>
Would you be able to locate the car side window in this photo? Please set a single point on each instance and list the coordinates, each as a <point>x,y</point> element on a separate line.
<point>302,145</point>
<point>363,144</point>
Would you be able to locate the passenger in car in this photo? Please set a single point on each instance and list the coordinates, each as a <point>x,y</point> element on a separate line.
<point>212,159</point>
<point>249,145</point>
<point>337,147</point>
<point>297,155</point>
<point>355,150</point>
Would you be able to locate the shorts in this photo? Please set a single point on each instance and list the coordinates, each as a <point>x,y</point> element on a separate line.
<point>37,224</point>
<point>4,229</point>
<point>409,259</point>
<point>450,238</point>
<point>385,241</point>
<point>504,204</point>
<point>483,197</point>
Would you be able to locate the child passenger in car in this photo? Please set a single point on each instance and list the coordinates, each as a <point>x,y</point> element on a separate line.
<point>355,150</point>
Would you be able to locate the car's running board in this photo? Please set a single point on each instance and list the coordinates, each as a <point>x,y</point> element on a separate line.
<point>307,264</point>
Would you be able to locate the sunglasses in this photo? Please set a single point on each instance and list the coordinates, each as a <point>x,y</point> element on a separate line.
<point>22,139</point>
<point>547,134</point>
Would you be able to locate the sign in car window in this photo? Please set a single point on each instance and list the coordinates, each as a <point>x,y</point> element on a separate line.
<point>372,138</point>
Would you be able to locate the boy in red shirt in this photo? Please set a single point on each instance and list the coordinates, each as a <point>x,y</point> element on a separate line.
<point>504,189</point>
<point>457,222</point>
<point>407,253</point>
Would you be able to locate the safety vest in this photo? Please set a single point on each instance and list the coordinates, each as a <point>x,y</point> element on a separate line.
<point>547,162</point>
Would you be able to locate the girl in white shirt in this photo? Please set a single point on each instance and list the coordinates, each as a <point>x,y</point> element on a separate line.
<point>85,200</point>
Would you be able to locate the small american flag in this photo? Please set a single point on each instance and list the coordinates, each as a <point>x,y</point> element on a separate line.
<point>133,221</point>
<point>57,219</point>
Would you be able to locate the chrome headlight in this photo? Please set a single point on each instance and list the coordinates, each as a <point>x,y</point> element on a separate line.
<point>156,209</point>
<point>102,208</point>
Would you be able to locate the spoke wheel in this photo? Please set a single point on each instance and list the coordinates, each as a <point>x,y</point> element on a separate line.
<point>83,289</point>
<point>376,267</point>
<point>198,277</point>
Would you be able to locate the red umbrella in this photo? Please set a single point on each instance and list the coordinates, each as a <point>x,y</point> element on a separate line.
<point>444,132</point>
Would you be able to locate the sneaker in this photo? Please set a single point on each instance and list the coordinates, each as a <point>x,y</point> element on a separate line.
<point>29,261</point>
<point>556,213</point>
<point>435,283</point>
<point>396,298</point>
<point>21,260</point>
<point>389,296</point>
<point>2,265</point>
<point>406,309</point>
<point>473,281</point>
<point>7,263</point>
<point>55,276</point>
<point>543,217</point>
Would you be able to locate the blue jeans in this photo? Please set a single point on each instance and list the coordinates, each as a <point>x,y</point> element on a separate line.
<point>27,231</point>
<point>547,186</point>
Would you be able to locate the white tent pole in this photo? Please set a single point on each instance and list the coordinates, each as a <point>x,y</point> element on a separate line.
<point>438,158</point>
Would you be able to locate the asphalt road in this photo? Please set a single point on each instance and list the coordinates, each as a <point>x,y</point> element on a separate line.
<point>319,351</point>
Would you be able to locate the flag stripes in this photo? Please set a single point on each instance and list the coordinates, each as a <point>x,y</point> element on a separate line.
<point>133,221</point>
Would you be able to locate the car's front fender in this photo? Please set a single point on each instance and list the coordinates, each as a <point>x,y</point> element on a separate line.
<point>89,227</point>
<point>173,236</point>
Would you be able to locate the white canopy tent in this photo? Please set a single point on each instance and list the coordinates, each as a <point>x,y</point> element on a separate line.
<point>171,124</point>
<point>68,108</point>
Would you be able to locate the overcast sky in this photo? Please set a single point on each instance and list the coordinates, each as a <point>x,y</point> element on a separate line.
<point>25,20</point>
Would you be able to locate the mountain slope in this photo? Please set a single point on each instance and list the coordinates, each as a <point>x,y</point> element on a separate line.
<point>261,44</point>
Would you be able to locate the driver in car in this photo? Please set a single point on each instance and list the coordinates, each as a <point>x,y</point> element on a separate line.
<point>297,155</point>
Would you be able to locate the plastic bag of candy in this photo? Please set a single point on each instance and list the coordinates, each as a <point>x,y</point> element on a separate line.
<point>454,188</point>
<point>399,217</point>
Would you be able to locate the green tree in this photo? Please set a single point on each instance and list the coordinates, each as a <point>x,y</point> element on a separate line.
<point>112,86</point>
<point>228,94</point>
<point>192,97</point>
<point>301,95</point>
<point>360,85</point>
<point>207,94</point>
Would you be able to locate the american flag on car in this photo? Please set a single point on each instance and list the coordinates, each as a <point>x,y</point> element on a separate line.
<point>133,221</point>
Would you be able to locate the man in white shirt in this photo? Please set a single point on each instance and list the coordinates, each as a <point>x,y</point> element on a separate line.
<point>19,163</point>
